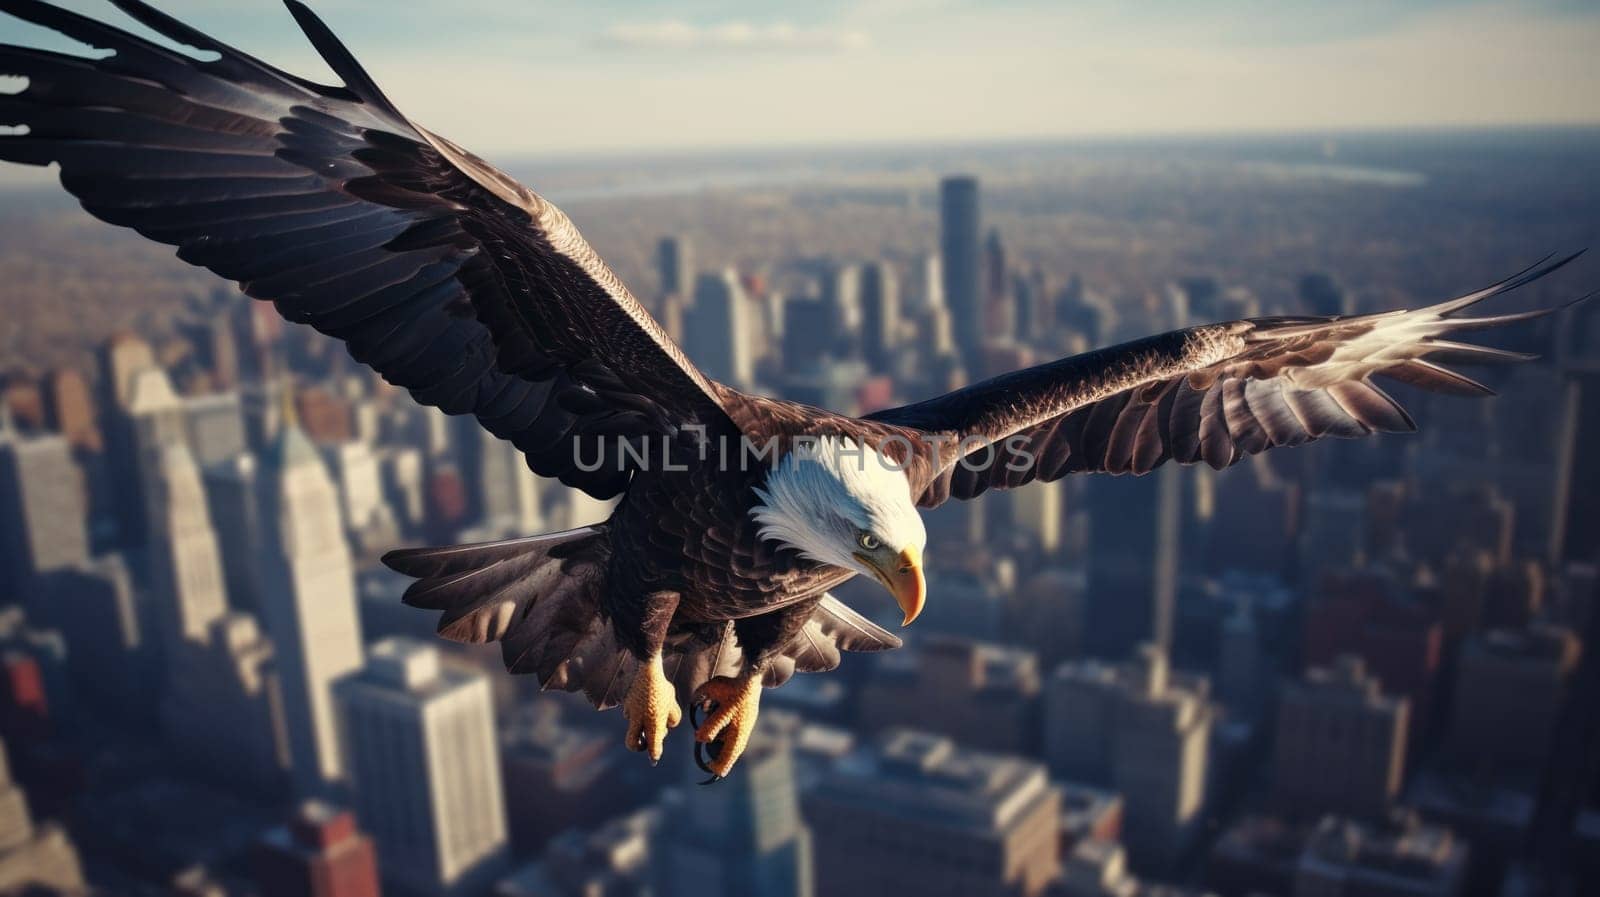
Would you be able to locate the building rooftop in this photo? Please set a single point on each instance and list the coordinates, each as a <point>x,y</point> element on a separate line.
<point>1404,847</point>
<point>407,667</point>
<point>929,778</point>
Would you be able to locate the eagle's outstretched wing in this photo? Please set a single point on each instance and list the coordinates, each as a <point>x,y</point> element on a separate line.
<point>1216,393</point>
<point>445,275</point>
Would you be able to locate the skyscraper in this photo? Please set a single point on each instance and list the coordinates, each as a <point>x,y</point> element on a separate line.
<point>71,409</point>
<point>745,841</point>
<point>223,712</point>
<point>959,254</point>
<point>1142,730</point>
<point>1134,535</point>
<point>1340,745</point>
<point>502,492</point>
<point>307,600</point>
<point>215,427</point>
<point>880,314</point>
<point>841,305</point>
<point>717,326</point>
<point>999,312</point>
<point>915,814</point>
<point>1575,523</point>
<point>155,419</point>
<point>42,503</point>
<point>108,653</point>
<point>675,266</point>
<point>187,584</point>
<point>420,742</point>
<point>233,500</point>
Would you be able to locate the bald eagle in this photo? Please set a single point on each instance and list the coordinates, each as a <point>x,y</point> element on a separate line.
<point>710,580</point>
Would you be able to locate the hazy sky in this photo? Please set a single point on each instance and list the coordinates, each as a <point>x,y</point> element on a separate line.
<point>509,76</point>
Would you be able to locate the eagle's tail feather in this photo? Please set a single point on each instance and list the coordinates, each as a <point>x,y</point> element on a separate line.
<point>538,596</point>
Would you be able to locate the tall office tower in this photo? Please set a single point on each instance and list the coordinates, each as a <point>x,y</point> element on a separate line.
<point>186,579</point>
<point>915,814</point>
<point>1134,543</point>
<point>841,305</point>
<point>774,306</point>
<point>262,404</point>
<point>960,260</point>
<point>32,859</point>
<point>804,341</point>
<point>744,841</point>
<point>234,503</point>
<point>1340,745</point>
<point>108,653</point>
<point>70,407</point>
<point>218,339</point>
<point>1575,522</point>
<point>1038,510</point>
<point>308,600</point>
<point>319,853</point>
<point>1242,671</point>
<point>675,266</point>
<point>420,742</point>
<point>502,492</point>
<point>223,712</point>
<point>155,419</point>
<point>362,502</point>
<point>928,283</point>
<point>716,327</point>
<point>123,355</point>
<point>999,311</point>
<point>215,425</point>
<point>1142,730</point>
<point>1035,306</point>
<point>880,314</point>
<point>1510,687</point>
<point>402,469</point>
<point>258,332</point>
<point>982,695</point>
<point>42,504</point>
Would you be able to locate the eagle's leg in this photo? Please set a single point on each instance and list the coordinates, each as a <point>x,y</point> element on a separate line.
<point>652,703</point>
<point>734,701</point>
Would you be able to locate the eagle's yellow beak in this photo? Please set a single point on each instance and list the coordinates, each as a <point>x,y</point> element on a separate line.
<point>902,575</point>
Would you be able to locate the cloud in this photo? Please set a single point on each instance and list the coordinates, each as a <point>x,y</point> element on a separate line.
<point>731,36</point>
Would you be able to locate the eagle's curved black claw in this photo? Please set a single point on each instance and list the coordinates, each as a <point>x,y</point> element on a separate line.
<point>701,752</point>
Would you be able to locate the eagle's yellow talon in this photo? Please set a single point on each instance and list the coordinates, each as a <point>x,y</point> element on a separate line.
<point>737,701</point>
<point>652,708</point>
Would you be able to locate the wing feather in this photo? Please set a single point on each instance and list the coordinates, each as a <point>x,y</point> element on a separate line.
<point>1216,393</point>
<point>436,269</point>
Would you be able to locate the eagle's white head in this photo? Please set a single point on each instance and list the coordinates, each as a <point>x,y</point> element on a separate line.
<point>842,503</point>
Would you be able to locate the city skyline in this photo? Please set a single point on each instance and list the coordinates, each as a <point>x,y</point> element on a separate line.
<point>1128,736</point>
<point>1357,668</point>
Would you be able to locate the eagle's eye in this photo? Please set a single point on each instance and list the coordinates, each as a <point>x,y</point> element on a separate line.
<point>868,541</point>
